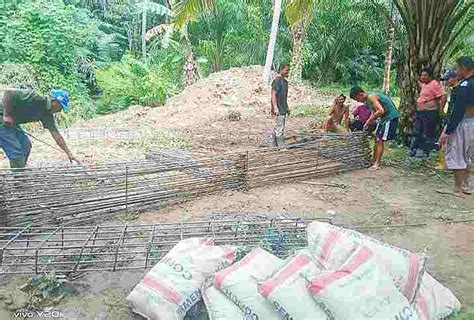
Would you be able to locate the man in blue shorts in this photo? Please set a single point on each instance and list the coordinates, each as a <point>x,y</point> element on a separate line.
<point>26,106</point>
<point>385,113</point>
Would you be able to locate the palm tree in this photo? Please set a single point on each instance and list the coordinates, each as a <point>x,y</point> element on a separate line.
<point>432,27</point>
<point>299,15</point>
<point>271,43</point>
<point>182,12</point>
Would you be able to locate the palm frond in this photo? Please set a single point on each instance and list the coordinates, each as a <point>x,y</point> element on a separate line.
<point>188,10</point>
<point>298,10</point>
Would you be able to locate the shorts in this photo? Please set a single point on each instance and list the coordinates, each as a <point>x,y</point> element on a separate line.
<point>386,130</point>
<point>460,146</point>
<point>14,142</point>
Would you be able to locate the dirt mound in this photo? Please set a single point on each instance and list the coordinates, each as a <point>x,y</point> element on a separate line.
<point>228,108</point>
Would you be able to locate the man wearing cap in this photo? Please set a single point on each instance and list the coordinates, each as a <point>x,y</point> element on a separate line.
<point>450,80</point>
<point>26,106</point>
<point>458,135</point>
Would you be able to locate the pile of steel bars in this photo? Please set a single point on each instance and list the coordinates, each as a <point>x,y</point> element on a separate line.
<point>74,195</point>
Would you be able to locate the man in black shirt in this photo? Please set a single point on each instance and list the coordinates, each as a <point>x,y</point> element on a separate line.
<point>25,106</point>
<point>458,134</point>
<point>279,101</point>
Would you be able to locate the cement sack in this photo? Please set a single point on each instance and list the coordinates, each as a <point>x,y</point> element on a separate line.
<point>240,283</point>
<point>172,287</point>
<point>219,307</point>
<point>434,301</point>
<point>361,289</point>
<point>406,268</point>
<point>329,246</point>
<point>286,289</point>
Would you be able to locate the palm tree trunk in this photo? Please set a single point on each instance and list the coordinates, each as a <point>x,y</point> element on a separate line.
<point>388,59</point>
<point>271,43</point>
<point>431,30</point>
<point>298,32</point>
<point>191,71</point>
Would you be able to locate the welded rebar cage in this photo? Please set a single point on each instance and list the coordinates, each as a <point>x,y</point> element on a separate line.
<point>75,195</point>
<point>72,250</point>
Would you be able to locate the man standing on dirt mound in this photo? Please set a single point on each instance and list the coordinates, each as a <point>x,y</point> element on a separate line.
<point>279,100</point>
<point>458,135</point>
<point>384,110</point>
<point>26,106</point>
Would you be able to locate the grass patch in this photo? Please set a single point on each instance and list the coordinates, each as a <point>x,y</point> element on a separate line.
<point>468,315</point>
<point>309,111</point>
<point>127,216</point>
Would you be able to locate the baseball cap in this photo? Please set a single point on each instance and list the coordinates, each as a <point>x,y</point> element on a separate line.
<point>450,73</point>
<point>61,96</point>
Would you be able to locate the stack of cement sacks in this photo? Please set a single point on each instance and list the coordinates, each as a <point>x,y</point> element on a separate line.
<point>341,275</point>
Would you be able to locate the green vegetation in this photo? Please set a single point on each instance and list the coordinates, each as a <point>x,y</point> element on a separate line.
<point>468,315</point>
<point>95,49</point>
<point>132,82</point>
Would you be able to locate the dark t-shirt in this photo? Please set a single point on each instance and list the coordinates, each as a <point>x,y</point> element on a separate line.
<point>28,106</point>
<point>464,100</point>
<point>280,85</point>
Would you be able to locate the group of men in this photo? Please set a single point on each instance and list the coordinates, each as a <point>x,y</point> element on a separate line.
<point>377,112</point>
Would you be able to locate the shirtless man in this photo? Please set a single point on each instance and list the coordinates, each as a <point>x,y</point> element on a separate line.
<point>458,135</point>
<point>337,113</point>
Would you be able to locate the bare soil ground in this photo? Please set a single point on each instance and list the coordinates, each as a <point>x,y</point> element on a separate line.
<point>228,110</point>
<point>201,117</point>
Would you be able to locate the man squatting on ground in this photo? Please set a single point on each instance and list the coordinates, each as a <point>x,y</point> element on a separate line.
<point>338,113</point>
<point>26,106</point>
<point>458,135</point>
<point>384,110</point>
<point>279,101</point>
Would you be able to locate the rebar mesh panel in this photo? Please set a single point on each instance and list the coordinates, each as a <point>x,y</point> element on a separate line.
<point>68,250</point>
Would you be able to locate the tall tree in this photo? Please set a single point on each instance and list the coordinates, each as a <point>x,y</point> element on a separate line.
<point>432,27</point>
<point>272,41</point>
<point>144,16</point>
<point>299,15</point>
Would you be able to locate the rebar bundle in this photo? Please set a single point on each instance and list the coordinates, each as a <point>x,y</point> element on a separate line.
<point>69,250</point>
<point>65,195</point>
<point>102,133</point>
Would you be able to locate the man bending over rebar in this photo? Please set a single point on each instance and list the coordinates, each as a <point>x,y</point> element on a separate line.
<point>279,101</point>
<point>384,110</point>
<point>458,135</point>
<point>26,106</point>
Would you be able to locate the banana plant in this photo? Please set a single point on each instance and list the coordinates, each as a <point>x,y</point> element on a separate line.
<point>181,12</point>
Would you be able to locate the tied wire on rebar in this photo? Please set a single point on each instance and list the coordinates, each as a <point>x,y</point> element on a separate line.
<point>71,250</point>
<point>75,195</point>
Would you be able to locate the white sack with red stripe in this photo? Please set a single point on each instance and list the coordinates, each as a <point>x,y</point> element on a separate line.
<point>286,289</point>
<point>240,283</point>
<point>406,268</point>
<point>172,287</point>
<point>434,301</point>
<point>360,289</point>
<point>219,307</point>
<point>329,246</point>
